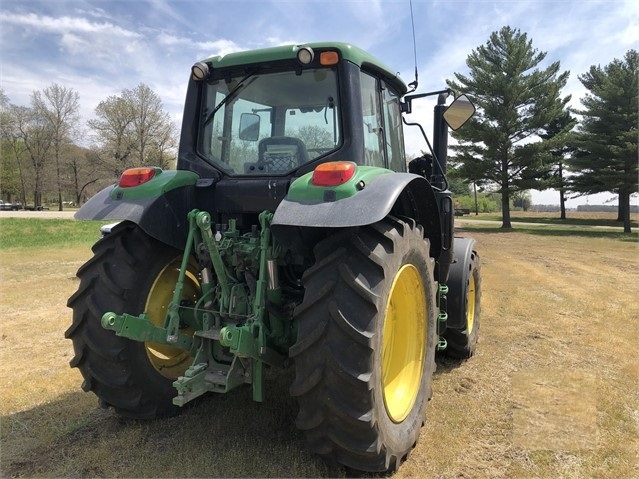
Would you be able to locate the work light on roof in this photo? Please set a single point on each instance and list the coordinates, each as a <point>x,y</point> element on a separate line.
<point>305,55</point>
<point>200,71</point>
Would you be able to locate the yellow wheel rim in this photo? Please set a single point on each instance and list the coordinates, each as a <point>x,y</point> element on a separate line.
<point>470,307</point>
<point>403,343</point>
<point>169,361</point>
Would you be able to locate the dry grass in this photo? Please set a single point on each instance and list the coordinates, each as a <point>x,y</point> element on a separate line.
<point>552,392</point>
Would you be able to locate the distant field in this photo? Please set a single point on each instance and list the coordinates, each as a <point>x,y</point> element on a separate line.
<point>553,391</point>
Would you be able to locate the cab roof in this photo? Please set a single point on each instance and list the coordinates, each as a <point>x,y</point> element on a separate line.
<point>346,51</point>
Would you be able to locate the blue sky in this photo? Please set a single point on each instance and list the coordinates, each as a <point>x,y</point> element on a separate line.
<point>99,47</point>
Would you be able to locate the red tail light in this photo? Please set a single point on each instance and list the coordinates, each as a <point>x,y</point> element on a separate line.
<point>333,173</point>
<point>136,177</point>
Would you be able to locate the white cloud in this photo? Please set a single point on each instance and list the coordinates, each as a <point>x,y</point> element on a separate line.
<point>73,43</point>
<point>64,24</point>
<point>201,48</point>
<point>170,40</point>
<point>218,47</point>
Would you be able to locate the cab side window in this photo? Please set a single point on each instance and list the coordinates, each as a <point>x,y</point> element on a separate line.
<point>382,128</point>
<point>393,132</point>
<point>373,125</point>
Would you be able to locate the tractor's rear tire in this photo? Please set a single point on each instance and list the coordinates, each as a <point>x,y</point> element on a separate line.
<point>130,272</point>
<point>364,356</point>
<point>464,307</point>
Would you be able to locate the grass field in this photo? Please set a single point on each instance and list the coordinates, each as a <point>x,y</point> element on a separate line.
<point>572,218</point>
<point>553,391</point>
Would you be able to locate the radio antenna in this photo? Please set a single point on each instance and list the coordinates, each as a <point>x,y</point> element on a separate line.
<point>413,84</point>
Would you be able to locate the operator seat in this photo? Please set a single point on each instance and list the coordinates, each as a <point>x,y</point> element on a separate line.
<point>279,154</point>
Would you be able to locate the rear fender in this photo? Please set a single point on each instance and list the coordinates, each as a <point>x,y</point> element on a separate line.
<point>159,207</point>
<point>296,221</point>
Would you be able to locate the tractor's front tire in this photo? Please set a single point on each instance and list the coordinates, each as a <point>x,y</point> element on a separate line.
<point>366,344</point>
<point>464,306</point>
<point>130,272</point>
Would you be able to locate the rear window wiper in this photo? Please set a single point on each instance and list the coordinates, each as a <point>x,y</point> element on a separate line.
<point>232,94</point>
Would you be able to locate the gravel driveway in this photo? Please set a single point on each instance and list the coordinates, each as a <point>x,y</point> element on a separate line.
<point>38,214</point>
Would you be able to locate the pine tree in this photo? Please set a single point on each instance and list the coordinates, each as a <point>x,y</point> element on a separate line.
<point>516,101</point>
<point>606,141</point>
<point>558,134</point>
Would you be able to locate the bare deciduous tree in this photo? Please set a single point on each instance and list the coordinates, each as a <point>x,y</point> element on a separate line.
<point>13,152</point>
<point>114,133</point>
<point>133,130</point>
<point>59,106</point>
<point>36,135</point>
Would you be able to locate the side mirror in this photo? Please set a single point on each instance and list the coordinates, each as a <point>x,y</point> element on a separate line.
<point>459,112</point>
<point>249,126</point>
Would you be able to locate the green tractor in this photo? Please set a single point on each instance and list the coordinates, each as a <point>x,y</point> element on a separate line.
<point>290,235</point>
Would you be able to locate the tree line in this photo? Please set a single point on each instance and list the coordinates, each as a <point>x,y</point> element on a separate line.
<point>525,136</point>
<point>49,156</point>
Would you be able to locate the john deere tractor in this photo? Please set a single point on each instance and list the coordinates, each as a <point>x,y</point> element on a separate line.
<point>290,235</point>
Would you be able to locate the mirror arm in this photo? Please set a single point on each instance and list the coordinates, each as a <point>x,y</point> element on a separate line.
<point>407,106</point>
<point>447,91</point>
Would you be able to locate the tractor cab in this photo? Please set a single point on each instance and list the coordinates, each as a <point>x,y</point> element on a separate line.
<point>282,117</point>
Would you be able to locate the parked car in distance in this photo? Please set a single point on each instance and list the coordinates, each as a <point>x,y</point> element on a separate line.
<point>9,206</point>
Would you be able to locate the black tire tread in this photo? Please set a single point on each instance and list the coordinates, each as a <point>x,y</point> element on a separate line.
<point>334,354</point>
<point>116,369</point>
<point>461,343</point>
